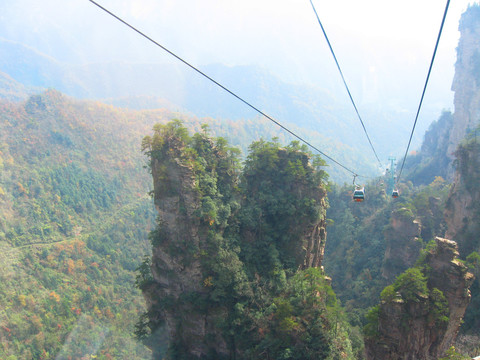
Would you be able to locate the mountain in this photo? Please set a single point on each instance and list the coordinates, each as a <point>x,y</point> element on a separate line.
<point>462,218</point>
<point>438,152</point>
<point>74,219</point>
<point>233,265</point>
<point>420,314</point>
<point>380,242</point>
<point>466,82</point>
<point>433,158</point>
<point>317,108</point>
<point>13,90</point>
<point>224,281</point>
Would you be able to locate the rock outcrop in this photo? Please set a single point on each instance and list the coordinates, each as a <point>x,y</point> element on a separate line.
<point>214,245</point>
<point>462,212</point>
<point>462,216</point>
<point>466,83</point>
<point>421,325</point>
<point>175,269</point>
<point>315,241</point>
<point>403,245</point>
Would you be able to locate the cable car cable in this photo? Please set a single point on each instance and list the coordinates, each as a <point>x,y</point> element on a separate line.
<point>345,83</point>
<point>226,89</point>
<point>424,89</point>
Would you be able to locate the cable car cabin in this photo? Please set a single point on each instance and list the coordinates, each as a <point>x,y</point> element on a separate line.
<point>395,194</point>
<point>359,195</point>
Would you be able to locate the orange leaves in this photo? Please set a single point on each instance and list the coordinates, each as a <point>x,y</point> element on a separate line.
<point>7,330</point>
<point>76,310</point>
<point>109,314</point>
<point>54,296</point>
<point>21,189</point>
<point>71,266</point>
<point>36,322</point>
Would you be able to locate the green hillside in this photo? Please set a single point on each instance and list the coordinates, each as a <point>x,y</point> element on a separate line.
<point>74,218</point>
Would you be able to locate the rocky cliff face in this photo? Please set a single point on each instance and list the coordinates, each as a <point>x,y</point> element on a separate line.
<point>462,213</point>
<point>466,83</point>
<point>315,240</point>
<point>403,245</point>
<point>212,246</point>
<point>175,269</point>
<point>421,322</point>
<point>462,216</point>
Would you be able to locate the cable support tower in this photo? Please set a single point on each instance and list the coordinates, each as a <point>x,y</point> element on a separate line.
<point>391,175</point>
<point>345,83</point>
<point>424,88</point>
<point>227,90</point>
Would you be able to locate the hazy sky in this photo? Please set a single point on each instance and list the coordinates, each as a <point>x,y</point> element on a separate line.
<point>285,35</point>
<point>383,46</point>
<point>373,39</point>
<point>280,34</point>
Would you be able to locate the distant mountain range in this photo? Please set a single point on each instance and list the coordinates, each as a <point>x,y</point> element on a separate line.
<point>178,88</point>
<point>177,84</point>
<point>13,90</point>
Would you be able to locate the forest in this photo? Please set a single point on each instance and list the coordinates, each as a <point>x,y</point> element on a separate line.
<point>76,216</point>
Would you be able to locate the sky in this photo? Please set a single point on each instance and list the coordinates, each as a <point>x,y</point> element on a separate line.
<point>375,40</point>
<point>282,35</point>
<point>384,47</point>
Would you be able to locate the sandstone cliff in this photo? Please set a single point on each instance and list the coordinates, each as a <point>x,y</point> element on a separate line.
<point>222,249</point>
<point>420,315</point>
<point>466,83</point>
<point>175,269</point>
<point>462,213</point>
<point>462,216</point>
<point>403,245</point>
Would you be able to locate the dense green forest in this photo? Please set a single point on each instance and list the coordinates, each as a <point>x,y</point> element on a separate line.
<point>357,234</point>
<point>259,217</point>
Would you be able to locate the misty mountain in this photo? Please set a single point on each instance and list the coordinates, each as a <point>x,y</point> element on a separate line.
<point>178,88</point>
<point>13,90</point>
<point>240,130</point>
<point>177,84</point>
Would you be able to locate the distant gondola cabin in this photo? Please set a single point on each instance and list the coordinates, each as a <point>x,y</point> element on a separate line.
<point>359,195</point>
<point>395,194</point>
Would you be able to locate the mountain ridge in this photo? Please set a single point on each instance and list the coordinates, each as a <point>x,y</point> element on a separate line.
<point>311,107</point>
